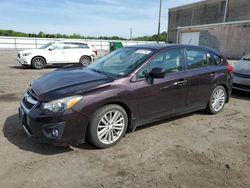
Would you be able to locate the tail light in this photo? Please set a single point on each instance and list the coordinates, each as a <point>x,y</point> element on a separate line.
<point>95,51</point>
<point>230,69</point>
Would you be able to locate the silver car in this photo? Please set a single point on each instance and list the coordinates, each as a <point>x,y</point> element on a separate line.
<point>241,79</point>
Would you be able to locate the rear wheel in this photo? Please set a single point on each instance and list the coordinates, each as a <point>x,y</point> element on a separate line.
<point>108,126</point>
<point>38,63</point>
<point>217,100</point>
<point>85,60</point>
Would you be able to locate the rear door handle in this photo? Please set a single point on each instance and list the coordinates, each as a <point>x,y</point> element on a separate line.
<point>180,83</point>
<point>213,74</point>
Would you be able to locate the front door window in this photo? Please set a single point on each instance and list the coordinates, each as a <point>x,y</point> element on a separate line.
<point>170,61</point>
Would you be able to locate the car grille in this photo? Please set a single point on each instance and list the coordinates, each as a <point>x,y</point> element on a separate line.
<point>242,75</point>
<point>29,100</point>
<point>18,55</point>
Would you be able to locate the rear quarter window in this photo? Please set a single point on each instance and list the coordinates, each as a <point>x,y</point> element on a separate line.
<point>83,45</point>
<point>217,59</point>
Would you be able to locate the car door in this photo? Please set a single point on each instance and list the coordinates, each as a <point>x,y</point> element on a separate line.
<point>76,50</point>
<point>57,53</point>
<point>165,96</point>
<point>201,76</point>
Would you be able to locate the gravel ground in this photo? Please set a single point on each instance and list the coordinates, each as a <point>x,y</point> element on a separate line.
<point>195,150</point>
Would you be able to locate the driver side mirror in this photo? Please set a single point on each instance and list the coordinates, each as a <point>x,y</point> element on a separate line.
<point>157,73</point>
<point>51,49</point>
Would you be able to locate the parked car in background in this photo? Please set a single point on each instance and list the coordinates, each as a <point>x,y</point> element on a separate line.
<point>125,89</point>
<point>241,79</point>
<point>58,52</point>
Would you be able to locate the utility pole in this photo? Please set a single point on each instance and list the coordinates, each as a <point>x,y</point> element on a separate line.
<point>225,13</point>
<point>131,33</point>
<point>159,23</point>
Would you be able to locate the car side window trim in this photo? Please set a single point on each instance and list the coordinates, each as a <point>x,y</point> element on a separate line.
<point>212,54</point>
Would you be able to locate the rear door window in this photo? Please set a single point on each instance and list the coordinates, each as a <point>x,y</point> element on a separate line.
<point>196,59</point>
<point>213,59</point>
<point>72,45</point>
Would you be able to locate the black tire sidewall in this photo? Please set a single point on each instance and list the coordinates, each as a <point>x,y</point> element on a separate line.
<point>33,63</point>
<point>210,108</point>
<point>92,130</point>
<point>80,61</point>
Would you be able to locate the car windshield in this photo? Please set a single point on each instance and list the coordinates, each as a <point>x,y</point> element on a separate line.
<point>121,62</point>
<point>247,57</point>
<point>46,45</point>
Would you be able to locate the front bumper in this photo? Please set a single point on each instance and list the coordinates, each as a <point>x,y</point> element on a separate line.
<point>241,83</point>
<point>93,58</point>
<point>23,60</point>
<point>59,129</point>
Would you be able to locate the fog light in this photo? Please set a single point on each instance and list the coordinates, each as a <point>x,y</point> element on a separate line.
<point>55,132</point>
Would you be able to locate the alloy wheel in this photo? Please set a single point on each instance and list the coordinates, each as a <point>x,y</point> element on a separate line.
<point>39,63</point>
<point>218,100</point>
<point>110,127</point>
<point>85,61</point>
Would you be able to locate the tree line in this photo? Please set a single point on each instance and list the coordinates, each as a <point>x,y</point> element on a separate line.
<point>162,37</point>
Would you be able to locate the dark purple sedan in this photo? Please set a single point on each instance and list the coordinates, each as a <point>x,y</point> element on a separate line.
<point>125,89</point>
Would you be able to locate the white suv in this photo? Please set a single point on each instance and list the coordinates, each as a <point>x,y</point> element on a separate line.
<point>58,52</point>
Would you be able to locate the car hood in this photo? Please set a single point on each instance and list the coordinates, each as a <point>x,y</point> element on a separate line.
<point>68,82</point>
<point>31,51</point>
<point>242,67</point>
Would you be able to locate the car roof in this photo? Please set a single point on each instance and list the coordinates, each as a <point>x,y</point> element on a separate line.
<point>161,46</point>
<point>72,41</point>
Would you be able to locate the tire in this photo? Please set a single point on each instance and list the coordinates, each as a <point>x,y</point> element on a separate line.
<point>85,60</point>
<point>104,134</point>
<point>38,63</point>
<point>217,100</point>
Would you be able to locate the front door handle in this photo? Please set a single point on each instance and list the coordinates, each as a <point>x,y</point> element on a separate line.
<point>180,83</point>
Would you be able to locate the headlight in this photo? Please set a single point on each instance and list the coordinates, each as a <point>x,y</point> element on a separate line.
<point>26,54</point>
<point>61,104</point>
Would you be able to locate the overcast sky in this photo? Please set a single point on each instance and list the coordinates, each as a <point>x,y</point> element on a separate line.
<point>86,17</point>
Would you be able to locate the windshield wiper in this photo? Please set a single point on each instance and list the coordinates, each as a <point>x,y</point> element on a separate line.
<point>96,70</point>
<point>102,72</point>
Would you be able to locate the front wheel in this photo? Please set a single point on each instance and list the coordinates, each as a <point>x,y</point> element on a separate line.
<point>38,63</point>
<point>85,60</point>
<point>108,126</point>
<point>217,100</point>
